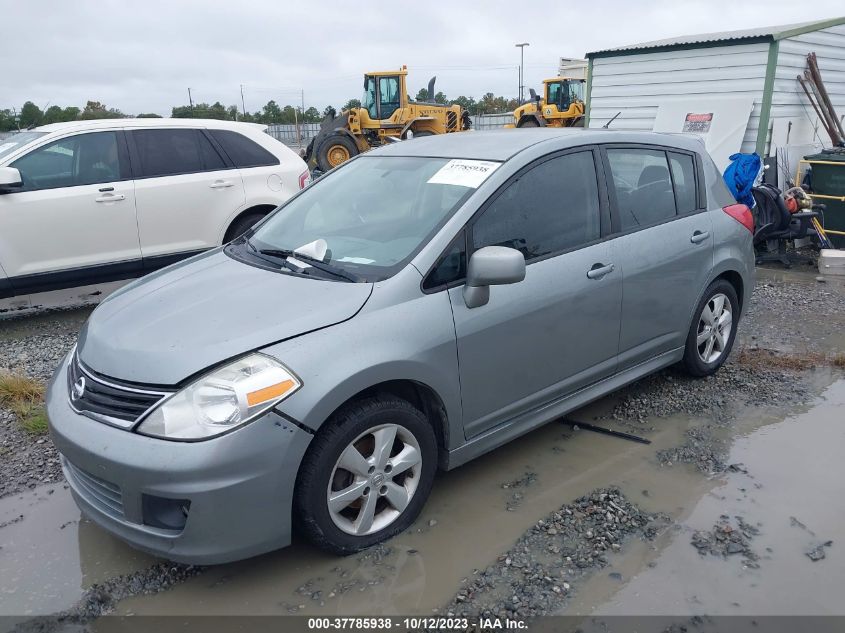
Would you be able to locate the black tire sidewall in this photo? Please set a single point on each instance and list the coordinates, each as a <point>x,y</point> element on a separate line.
<point>310,498</point>
<point>692,362</point>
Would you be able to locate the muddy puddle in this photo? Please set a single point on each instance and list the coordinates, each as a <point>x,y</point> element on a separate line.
<point>49,554</point>
<point>790,496</point>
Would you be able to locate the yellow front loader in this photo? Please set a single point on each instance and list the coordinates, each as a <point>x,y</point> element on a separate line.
<point>562,105</point>
<point>386,114</point>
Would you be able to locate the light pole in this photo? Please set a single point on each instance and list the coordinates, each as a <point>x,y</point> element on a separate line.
<point>521,48</point>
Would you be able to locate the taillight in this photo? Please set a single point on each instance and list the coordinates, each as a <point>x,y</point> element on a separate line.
<point>304,179</point>
<point>741,214</point>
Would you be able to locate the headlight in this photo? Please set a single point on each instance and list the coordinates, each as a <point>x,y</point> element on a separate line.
<point>222,400</point>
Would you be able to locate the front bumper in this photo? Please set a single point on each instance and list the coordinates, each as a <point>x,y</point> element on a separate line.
<point>239,486</point>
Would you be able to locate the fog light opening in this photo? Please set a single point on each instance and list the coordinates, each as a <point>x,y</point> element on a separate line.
<point>167,514</point>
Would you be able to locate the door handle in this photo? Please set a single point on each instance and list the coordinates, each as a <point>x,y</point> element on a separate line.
<point>699,236</point>
<point>110,198</point>
<point>599,270</point>
<point>221,184</point>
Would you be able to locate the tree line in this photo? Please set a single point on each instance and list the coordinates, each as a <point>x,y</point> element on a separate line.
<point>30,115</point>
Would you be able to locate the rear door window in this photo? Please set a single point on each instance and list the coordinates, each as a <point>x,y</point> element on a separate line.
<point>169,152</point>
<point>643,187</point>
<point>243,152</point>
<point>551,208</point>
<point>82,159</point>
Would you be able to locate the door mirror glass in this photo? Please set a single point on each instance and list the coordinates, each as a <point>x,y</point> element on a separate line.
<point>491,266</point>
<point>10,179</point>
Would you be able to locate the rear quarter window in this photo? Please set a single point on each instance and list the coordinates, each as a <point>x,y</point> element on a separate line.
<point>242,151</point>
<point>718,194</point>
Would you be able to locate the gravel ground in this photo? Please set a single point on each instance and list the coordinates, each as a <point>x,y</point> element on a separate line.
<point>534,577</point>
<point>29,460</point>
<point>726,539</point>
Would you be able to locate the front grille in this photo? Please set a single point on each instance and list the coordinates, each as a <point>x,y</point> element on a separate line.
<point>108,400</point>
<point>103,494</point>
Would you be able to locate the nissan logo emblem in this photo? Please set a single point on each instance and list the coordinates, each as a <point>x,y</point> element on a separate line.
<point>78,389</point>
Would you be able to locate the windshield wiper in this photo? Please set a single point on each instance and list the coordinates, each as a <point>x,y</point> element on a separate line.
<point>312,261</point>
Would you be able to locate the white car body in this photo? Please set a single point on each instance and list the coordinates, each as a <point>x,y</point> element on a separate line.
<point>146,194</point>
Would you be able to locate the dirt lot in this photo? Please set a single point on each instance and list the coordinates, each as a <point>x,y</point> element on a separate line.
<point>732,508</point>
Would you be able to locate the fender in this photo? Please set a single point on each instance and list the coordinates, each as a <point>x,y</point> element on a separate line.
<point>536,117</point>
<point>732,265</point>
<point>392,371</point>
<point>411,122</point>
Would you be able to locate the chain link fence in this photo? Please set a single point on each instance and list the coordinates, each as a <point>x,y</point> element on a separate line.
<point>298,136</point>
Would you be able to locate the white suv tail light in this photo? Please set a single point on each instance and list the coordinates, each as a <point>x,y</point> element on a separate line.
<point>304,179</point>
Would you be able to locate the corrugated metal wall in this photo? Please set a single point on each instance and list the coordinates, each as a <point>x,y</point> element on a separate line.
<point>788,99</point>
<point>637,84</point>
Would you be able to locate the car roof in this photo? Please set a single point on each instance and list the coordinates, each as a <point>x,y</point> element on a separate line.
<point>502,144</point>
<point>93,124</point>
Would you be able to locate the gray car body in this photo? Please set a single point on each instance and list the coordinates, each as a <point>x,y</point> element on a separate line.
<point>484,376</point>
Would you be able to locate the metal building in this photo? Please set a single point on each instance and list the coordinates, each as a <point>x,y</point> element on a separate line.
<point>744,81</point>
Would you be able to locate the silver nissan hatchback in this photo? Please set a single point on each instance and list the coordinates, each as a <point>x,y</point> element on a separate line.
<point>411,310</point>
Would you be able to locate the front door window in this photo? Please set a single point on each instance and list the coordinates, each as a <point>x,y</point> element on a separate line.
<point>369,100</point>
<point>83,159</point>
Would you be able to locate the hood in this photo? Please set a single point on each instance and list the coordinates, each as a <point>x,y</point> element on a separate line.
<point>172,324</point>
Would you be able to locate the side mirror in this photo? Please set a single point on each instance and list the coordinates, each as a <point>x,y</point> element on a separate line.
<point>491,266</point>
<point>10,180</point>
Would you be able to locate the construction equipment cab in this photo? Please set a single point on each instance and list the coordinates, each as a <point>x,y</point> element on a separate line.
<point>386,114</point>
<point>562,105</point>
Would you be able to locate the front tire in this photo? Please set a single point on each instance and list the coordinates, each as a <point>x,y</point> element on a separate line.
<point>334,151</point>
<point>713,330</point>
<point>366,476</point>
<point>528,122</point>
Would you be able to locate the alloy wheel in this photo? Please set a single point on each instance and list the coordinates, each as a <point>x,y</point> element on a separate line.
<point>374,479</point>
<point>714,328</point>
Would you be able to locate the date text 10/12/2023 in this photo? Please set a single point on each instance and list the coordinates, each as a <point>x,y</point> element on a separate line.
<point>417,623</point>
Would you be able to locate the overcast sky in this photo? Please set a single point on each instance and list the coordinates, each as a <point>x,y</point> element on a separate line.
<point>143,56</point>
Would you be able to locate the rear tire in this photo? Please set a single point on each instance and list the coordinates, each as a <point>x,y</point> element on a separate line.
<point>334,151</point>
<point>422,133</point>
<point>713,330</point>
<point>242,225</point>
<point>366,475</point>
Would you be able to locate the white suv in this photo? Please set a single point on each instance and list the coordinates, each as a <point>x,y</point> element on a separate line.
<point>91,202</point>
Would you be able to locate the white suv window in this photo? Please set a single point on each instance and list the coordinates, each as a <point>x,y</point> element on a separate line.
<point>83,159</point>
<point>168,152</point>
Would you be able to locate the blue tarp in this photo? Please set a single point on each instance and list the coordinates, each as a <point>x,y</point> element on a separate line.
<point>740,176</point>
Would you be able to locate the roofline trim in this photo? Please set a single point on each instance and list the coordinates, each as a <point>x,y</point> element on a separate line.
<point>735,41</point>
<point>638,49</point>
<point>816,26</point>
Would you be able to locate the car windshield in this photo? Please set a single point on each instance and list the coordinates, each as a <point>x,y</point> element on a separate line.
<point>372,214</point>
<point>16,141</point>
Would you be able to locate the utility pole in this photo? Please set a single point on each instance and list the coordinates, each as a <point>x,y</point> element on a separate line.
<point>243,107</point>
<point>521,48</point>
<point>191,103</point>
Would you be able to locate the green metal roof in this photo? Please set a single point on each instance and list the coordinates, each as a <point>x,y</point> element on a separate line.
<point>704,40</point>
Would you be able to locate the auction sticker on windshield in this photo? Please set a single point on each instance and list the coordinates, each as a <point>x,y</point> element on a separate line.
<point>465,173</point>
